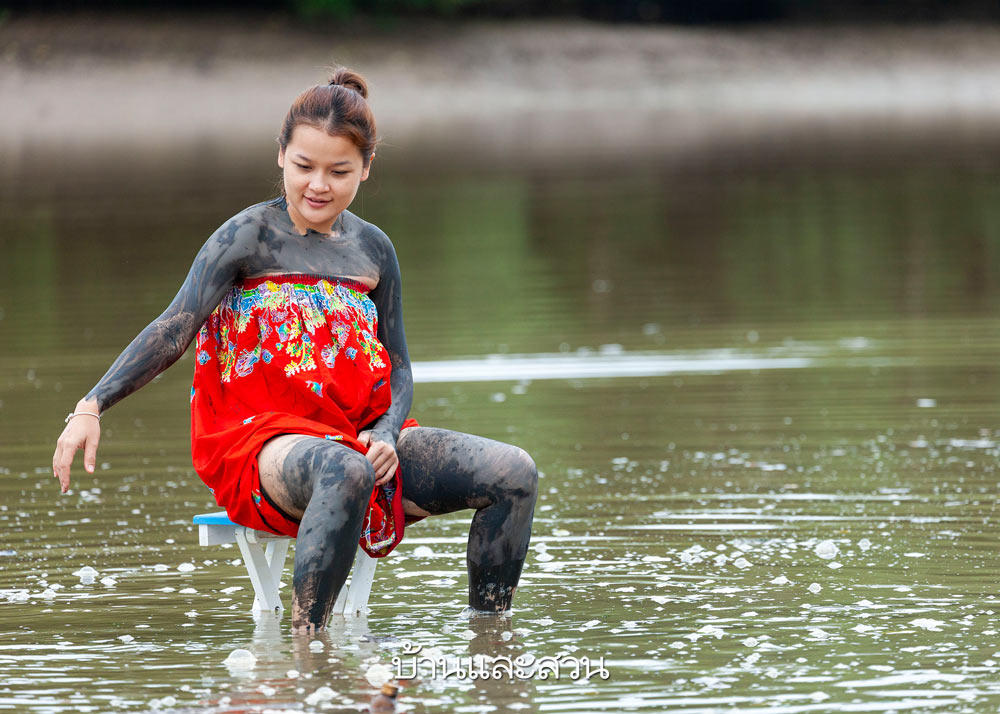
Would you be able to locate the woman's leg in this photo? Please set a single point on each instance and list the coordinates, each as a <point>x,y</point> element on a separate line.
<point>326,486</point>
<point>445,471</point>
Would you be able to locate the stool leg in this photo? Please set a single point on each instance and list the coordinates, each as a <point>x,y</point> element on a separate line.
<point>361,583</point>
<point>265,586</point>
<point>276,552</point>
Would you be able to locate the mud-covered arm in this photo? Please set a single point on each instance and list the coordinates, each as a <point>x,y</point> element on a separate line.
<point>164,340</point>
<point>388,300</point>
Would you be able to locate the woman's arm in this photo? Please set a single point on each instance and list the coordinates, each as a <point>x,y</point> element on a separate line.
<point>387,297</point>
<point>163,341</point>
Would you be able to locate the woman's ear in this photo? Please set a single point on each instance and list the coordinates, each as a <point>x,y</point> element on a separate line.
<point>368,168</point>
<point>281,157</point>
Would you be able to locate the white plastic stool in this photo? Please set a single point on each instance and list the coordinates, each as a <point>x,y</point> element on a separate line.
<point>264,556</point>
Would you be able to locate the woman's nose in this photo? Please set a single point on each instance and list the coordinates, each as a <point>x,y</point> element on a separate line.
<point>317,182</point>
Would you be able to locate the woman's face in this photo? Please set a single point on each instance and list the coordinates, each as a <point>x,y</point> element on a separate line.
<point>321,175</point>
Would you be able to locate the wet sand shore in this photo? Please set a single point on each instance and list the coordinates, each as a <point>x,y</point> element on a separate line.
<point>493,88</point>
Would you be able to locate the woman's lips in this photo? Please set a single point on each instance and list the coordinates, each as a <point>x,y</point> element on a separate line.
<point>316,203</point>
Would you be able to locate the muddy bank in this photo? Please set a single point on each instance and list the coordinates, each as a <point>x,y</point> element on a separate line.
<point>500,90</point>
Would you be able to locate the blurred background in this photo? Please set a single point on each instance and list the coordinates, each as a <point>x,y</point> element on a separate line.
<point>781,218</point>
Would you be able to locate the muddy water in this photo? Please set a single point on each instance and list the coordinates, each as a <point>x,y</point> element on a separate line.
<point>763,395</point>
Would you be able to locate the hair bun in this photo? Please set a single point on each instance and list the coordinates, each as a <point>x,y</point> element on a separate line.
<point>344,77</point>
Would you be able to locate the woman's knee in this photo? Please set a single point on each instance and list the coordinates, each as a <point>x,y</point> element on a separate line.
<point>337,468</point>
<point>521,478</point>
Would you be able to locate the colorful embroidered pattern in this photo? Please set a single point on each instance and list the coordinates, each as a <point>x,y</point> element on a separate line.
<point>286,317</point>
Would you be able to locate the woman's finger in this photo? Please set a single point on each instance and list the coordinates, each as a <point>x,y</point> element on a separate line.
<point>90,452</point>
<point>390,471</point>
<point>67,452</point>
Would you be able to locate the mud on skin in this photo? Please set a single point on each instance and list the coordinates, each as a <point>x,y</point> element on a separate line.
<point>262,240</point>
<point>446,471</point>
<point>328,484</point>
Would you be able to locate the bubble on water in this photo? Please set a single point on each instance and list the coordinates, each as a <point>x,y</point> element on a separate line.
<point>751,642</point>
<point>926,403</point>
<point>780,580</point>
<point>87,574</point>
<point>819,696</point>
<point>927,623</point>
<point>678,645</point>
<point>721,559</point>
<point>240,659</point>
<point>47,594</point>
<point>185,567</point>
<point>422,551</point>
<point>191,613</point>
<point>742,563</point>
<point>266,690</point>
<point>230,590</point>
<point>815,588</point>
<point>826,549</point>
<point>544,557</point>
<point>467,635</point>
<point>818,633</point>
<point>560,533</point>
<point>589,624</point>
<point>167,701</point>
<point>864,544</point>
<point>126,638</point>
<point>506,636</point>
<point>913,555</point>
<point>323,694</point>
<point>378,674</point>
<point>108,582</point>
<point>860,629</point>
<point>316,646</point>
<point>834,565</point>
<point>712,630</point>
<point>159,568</point>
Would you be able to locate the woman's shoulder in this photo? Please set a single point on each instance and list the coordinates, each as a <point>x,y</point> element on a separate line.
<point>367,231</point>
<point>250,224</point>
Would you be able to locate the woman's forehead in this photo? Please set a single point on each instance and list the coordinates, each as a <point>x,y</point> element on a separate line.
<point>316,145</point>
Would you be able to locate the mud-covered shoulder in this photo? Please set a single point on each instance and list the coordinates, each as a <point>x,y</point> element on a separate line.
<point>374,242</point>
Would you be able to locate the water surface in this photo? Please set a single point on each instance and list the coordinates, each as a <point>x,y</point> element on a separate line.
<point>762,394</point>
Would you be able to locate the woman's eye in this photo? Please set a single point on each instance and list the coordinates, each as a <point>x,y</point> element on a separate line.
<point>303,167</point>
<point>341,173</point>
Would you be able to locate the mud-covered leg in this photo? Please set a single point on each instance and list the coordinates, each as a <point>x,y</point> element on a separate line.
<point>327,486</point>
<point>445,471</point>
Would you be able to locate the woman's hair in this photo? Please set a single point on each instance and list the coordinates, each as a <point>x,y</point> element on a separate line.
<point>340,108</point>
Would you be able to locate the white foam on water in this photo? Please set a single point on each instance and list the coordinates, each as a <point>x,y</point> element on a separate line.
<point>378,674</point>
<point>500,368</point>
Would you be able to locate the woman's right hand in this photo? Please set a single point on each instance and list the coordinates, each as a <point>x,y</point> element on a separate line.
<point>82,431</point>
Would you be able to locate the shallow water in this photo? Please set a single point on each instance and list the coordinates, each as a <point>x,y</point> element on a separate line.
<point>763,396</point>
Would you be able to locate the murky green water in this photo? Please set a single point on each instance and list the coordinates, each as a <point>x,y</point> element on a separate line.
<point>793,511</point>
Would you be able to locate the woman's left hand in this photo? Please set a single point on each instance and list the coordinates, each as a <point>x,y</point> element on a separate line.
<point>381,454</point>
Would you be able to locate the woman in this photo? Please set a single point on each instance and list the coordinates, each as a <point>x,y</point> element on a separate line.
<point>302,379</point>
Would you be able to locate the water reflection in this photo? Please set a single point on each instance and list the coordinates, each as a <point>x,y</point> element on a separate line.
<point>772,489</point>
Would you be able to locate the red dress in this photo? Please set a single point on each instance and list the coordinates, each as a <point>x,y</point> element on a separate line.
<point>289,354</point>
